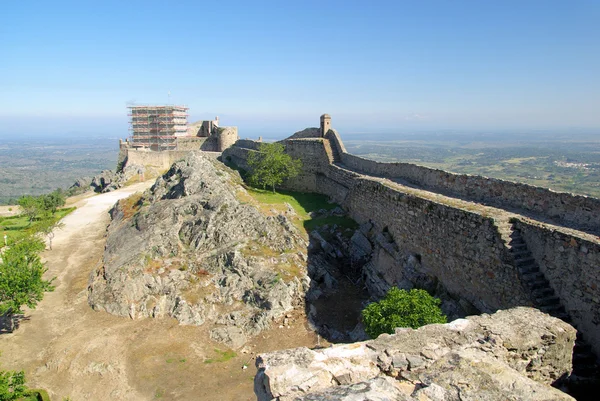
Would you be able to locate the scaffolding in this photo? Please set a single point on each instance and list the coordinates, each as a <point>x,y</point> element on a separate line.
<point>157,127</point>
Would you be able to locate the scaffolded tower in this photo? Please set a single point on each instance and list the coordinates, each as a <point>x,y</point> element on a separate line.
<point>156,127</point>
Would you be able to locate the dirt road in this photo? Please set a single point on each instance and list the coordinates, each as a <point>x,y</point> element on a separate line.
<point>70,350</point>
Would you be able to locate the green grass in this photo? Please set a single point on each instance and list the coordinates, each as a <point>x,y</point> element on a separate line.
<point>222,356</point>
<point>302,202</point>
<point>18,227</point>
<point>36,395</point>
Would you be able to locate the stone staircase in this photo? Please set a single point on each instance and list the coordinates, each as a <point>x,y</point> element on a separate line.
<point>585,377</point>
<point>337,158</point>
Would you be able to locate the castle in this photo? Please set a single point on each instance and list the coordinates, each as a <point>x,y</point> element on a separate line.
<point>492,243</point>
<point>160,135</point>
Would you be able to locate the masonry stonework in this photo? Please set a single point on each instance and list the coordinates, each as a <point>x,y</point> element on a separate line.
<point>452,238</point>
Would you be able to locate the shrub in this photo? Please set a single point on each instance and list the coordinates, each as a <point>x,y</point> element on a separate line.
<point>401,308</point>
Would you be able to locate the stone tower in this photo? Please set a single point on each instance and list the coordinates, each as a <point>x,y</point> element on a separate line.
<point>325,124</point>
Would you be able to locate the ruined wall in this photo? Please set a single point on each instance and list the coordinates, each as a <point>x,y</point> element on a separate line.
<point>161,160</point>
<point>563,208</point>
<point>464,250</point>
<point>572,266</point>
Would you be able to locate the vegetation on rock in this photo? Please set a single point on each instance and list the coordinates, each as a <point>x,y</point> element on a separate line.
<point>401,308</point>
<point>271,166</point>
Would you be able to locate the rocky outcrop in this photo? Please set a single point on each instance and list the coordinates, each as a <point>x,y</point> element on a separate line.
<point>190,249</point>
<point>511,355</point>
<point>109,180</point>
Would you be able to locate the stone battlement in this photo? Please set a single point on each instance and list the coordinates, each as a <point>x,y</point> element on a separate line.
<point>462,229</point>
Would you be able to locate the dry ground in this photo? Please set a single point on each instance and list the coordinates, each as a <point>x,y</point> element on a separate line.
<point>70,350</point>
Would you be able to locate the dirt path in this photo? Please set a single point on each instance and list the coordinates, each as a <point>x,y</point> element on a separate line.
<point>70,350</point>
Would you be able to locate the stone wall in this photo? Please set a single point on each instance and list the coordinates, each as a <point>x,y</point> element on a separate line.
<point>190,143</point>
<point>227,137</point>
<point>576,211</point>
<point>463,250</point>
<point>572,266</point>
<point>161,160</point>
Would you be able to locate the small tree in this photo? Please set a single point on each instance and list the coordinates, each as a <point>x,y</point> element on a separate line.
<point>52,201</point>
<point>31,206</point>
<point>12,385</point>
<point>21,281</point>
<point>401,308</point>
<point>271,165</point>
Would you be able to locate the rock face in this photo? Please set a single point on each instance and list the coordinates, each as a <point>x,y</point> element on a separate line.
<point>108,180</point>
<point>190,249</point>
<point>511,355</point>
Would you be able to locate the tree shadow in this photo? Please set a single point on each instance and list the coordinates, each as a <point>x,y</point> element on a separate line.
<point>10,323</point>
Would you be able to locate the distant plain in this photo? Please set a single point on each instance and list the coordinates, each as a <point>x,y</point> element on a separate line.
<point>37,165</point>
<point>567,162</point>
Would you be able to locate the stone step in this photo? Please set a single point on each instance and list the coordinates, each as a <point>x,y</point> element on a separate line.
<point>585,370</point>
<point>520,245</point>
<point>582,346</point>
<point>549,300</point>
<point>552,310</point>
<point>528,269</point>
<point>521,253</point>
<point>533,276</point>
<point>584,358</point>
<point>562,316</point>
<point>537,284</point>
<point>542,292</point>
<point>524,261</point>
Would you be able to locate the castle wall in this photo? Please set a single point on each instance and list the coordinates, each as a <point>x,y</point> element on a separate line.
<point>161,160</point>
<point>190,143</point>
<point>227,137</point>
<point>572,266</point>
<point>578,211</point>
<point>463,249</point>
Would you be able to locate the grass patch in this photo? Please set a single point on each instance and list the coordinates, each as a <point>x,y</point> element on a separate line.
<point>222,356</point>
<point>302,202</point>
<point>18,227</point>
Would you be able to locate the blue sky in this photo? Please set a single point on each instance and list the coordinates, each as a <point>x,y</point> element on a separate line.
<point>269,66</point>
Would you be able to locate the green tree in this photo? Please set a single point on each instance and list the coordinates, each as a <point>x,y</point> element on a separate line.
<point>401,308</point>
<point>52,201</point>
<point>21,281</point>
<point>12,385</point>
<point>47,227</point>
<point>271,165</point>
<point>30,205</point>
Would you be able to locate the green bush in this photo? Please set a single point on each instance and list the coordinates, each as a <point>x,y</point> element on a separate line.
<point>401,308</point>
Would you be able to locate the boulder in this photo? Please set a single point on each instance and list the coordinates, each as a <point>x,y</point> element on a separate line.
<point>514,354</point>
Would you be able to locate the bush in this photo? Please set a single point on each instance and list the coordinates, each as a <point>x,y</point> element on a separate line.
<point>12,385</point>
<point>401,308</point>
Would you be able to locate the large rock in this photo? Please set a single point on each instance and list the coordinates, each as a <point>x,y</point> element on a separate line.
<point>190,249</point>
<point>109,180</point>
<point>510,355</point>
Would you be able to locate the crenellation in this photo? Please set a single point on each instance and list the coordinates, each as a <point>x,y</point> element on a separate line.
<point>456,229</point>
